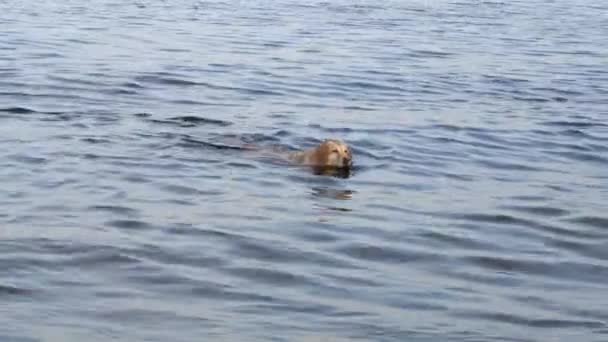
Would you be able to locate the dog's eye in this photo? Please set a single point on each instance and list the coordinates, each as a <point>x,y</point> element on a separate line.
<point>334,151</point>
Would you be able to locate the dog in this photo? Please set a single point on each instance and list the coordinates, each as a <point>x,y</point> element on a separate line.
<point>330,153</point>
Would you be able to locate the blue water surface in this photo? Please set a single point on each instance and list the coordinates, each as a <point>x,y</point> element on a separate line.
<point>130,211</point>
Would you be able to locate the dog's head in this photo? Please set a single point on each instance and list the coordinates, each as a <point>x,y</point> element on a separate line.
<point>334,153</point>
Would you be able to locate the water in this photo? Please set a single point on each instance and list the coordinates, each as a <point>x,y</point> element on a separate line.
<point>476,211</point>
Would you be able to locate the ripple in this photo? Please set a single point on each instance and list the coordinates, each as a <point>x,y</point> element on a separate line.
<point>591,250</point>
<point>539,210</point>
<point>99,257</point>
<point>18,110</point>
<point>496,218</point>
<point>129,224</point>
<point>544,227</point>
<point>535,323</point>
<point>592,221</point>
<point>267,252</point>
<point>8,290</point>
<point>385,254</point>
<point>508,166</point>
<point>576,272</point>
<point>114,209</point>
<point>197,120</point>
<point>190,142</point>
<point>579,156</point>
<point>464,242</point>
<point>15,338</point>
<point>123,316</point>
<point>27,159</point>
<point>274,277</point>
<point>218,293</point>
<point>576,124</point>
<point>182,190</point>
<point>166,79</point>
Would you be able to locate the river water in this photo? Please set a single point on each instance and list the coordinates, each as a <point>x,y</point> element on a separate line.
<point>477,209</point>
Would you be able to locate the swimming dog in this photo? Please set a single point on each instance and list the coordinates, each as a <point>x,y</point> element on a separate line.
<point>330,153</point>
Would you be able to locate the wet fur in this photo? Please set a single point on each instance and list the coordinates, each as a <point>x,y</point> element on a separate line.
<point>330,153</point>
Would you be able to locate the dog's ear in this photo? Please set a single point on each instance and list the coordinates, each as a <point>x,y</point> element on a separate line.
<point>324,148</point>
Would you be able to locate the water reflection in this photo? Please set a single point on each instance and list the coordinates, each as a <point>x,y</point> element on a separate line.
<point>338,172</point>
<point>326,208</point>
<point>333,193</point>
